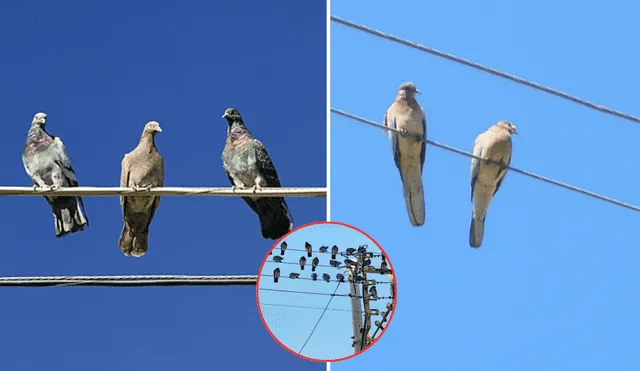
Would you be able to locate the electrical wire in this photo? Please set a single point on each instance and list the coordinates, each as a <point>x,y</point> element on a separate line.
<point>304,307</point>
<point>130,281</point>
<point>319,319</point>
<point>319,279</point>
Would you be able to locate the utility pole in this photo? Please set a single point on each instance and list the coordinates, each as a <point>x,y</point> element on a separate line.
<point>356,308</point>
<point>365,299</point>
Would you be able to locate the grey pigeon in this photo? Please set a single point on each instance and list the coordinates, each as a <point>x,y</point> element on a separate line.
<point>373,293</point>
<point>276,275</point>
<point>314,276</point>
<point>46,162</point>
<point>283,247</point>
<point>350,251</point>
<point>334,263</point>
<point>323,249</point>
<point>362,249</point>
<point>314,263</point>
<point>277,259</point>
<point>293,276</point>
<point>409,154</point>
<point>486,178</point>
<point>303,261</point>
<point>334,251</point>
<point>340,277</point>
<point>326,277</point>
<point>308,248</point>
<point>248,164</point>
<point>142,168</point>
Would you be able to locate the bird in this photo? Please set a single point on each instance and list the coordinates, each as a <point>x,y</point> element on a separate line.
<point>283,247</point>
<point>323,249</point>
<point>486,178</point>
<point>293,276</point>
<point>46,162</point>
<point>383,266</point>
<point>314,263</point>
<point>326,277</point>
<point>409,153</point>
<point>334,263</point>
<point>314,276</point>
<point>247,164</point>
<point>373,293</point>
<point>334,251</point>
<point>350,251</point>
<point>366,263</point>
<point>142,168</point>
<point>340,277</point>
<point>362,249</point>
<point>276,275</point>
<point>307,246</point>
<point>277,259</point>
<point>303,261</point>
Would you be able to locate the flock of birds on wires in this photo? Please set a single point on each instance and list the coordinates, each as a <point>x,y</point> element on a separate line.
<point>409,153</point>
<point>244,158</point>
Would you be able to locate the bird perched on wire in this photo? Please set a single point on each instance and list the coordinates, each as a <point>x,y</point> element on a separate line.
<point>323,249</point>
<point>294,275</point>
<point>334,251</point>
<point>283,247</point>
<point>314,263</point>
<point>46,162</point>
<point>247,164</point>
<point>373,292</point>
<point>334,263</point>
<point>303,261</point>
<point>326,277</point>
<point>409,147</point>
<point>486,178</point>
<point>314,276</point>
<point>350,251</point>
<point>142,168</point>
<point>276,275</point>
<point>340,277</point>
<point>277,259</point>
<point>362,249</point>
<point>309,249</point>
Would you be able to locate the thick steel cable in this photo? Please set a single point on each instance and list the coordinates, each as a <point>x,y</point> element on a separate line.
<point>165,191</point>
<point>516,170</point>
<point>130,281</point>
<point>480,67</point>
<point>303,307</point>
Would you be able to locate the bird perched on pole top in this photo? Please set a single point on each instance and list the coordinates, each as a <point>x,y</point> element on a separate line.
<point>247,164</point>
<point>409,148</point>
<point>46,162</point>
<point>486,178</point>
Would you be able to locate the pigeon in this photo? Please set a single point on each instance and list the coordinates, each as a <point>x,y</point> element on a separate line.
<point>334,263</point>
<point>293,276</point>
<point>383,267</point>
<point>486,178</point>
<point>277,259</point>
<point>142,168</point>
<point>247,164</point>
<point>326,277</point>
<point>307,246</point>
<point>350,251</point>
<point>283,247</point>
<point>334,251</point>
<point>366,263</point>
<point>314,276</point>
<point>323,249</point>
<point>373,293</point>
<point>340,277</point>
<point>276,275</point>
<point>409,153</point>
<point>362,249</point>
<point>314,263</point>
<point>303,261</point>
<point>46,162</point>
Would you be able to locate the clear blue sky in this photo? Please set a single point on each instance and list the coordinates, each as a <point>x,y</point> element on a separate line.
<point>554,285</point>
<point>292,326</point>
<point>101,70</point>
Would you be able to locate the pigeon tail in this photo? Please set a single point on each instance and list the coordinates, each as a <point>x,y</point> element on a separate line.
<point>135,235</point>
<point>274,216</point>
<point>476,232</point>
<point>67,214</point>
<point>414,196</point>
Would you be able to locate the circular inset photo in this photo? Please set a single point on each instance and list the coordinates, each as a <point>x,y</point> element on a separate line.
<point>326,291</point>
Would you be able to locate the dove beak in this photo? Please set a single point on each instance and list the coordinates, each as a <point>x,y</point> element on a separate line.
<point>159,130</point>
<point>225,115</point>
<point>418,91</point>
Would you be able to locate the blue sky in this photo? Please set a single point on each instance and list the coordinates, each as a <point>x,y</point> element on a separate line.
<point>101,70</point>
<point>291,325</point>
<point>553,285</point>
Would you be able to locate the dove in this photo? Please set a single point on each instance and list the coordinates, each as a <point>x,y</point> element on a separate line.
<point>334,251</point>
<point>350,251</point>
<point>46,162</point>
<point>276,275</point>
<point>486,178</point>
<point>303,261</point>
<point>409,153</point>
<point>314,263</point>
<point>283,247</point>
<point>326,277</point>
<point>373,293</point>
<point>142,168</point>
<point>247,164</point>
<point>340,277</point>
<point>309,249</point>
<point>277,259</point>
<point>323,249</point>
<point>314,276</point>
<point>334,263</point>
<point>362,249</point>
<point>293,276</point>
<point>383,267</point>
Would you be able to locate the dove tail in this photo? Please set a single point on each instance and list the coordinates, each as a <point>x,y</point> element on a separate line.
<point>275,218</point>
<point>476,232</point>
<point>135,234</point>
<point>414,196</point>
<point>67,214</point>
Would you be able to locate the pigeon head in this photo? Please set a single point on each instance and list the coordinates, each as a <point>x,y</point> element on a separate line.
<point>408,89</point>
<point>232,114</point>
<point>152,127</point>
<point>511,128</point>
<point>39,119</point>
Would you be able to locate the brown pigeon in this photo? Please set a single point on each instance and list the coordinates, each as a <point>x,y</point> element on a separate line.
<point>142,168</point>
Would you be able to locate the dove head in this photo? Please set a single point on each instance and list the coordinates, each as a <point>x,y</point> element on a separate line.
<point>39,119</point>
<point>232,114</point>
<point>408,90</point>
<point>152,127</point>
<point>511,128</point>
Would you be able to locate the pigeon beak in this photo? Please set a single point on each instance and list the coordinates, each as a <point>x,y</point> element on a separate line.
<point>418,91</point>
<point>159,130</point>
<point>225,115</point>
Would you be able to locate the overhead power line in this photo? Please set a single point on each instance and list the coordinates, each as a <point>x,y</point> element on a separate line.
<point>164,191</point>
<point>523,172</point>
<point>480,67</point>
<point>303,307</point>
<point>319,319</point>
<point>137,281</point>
